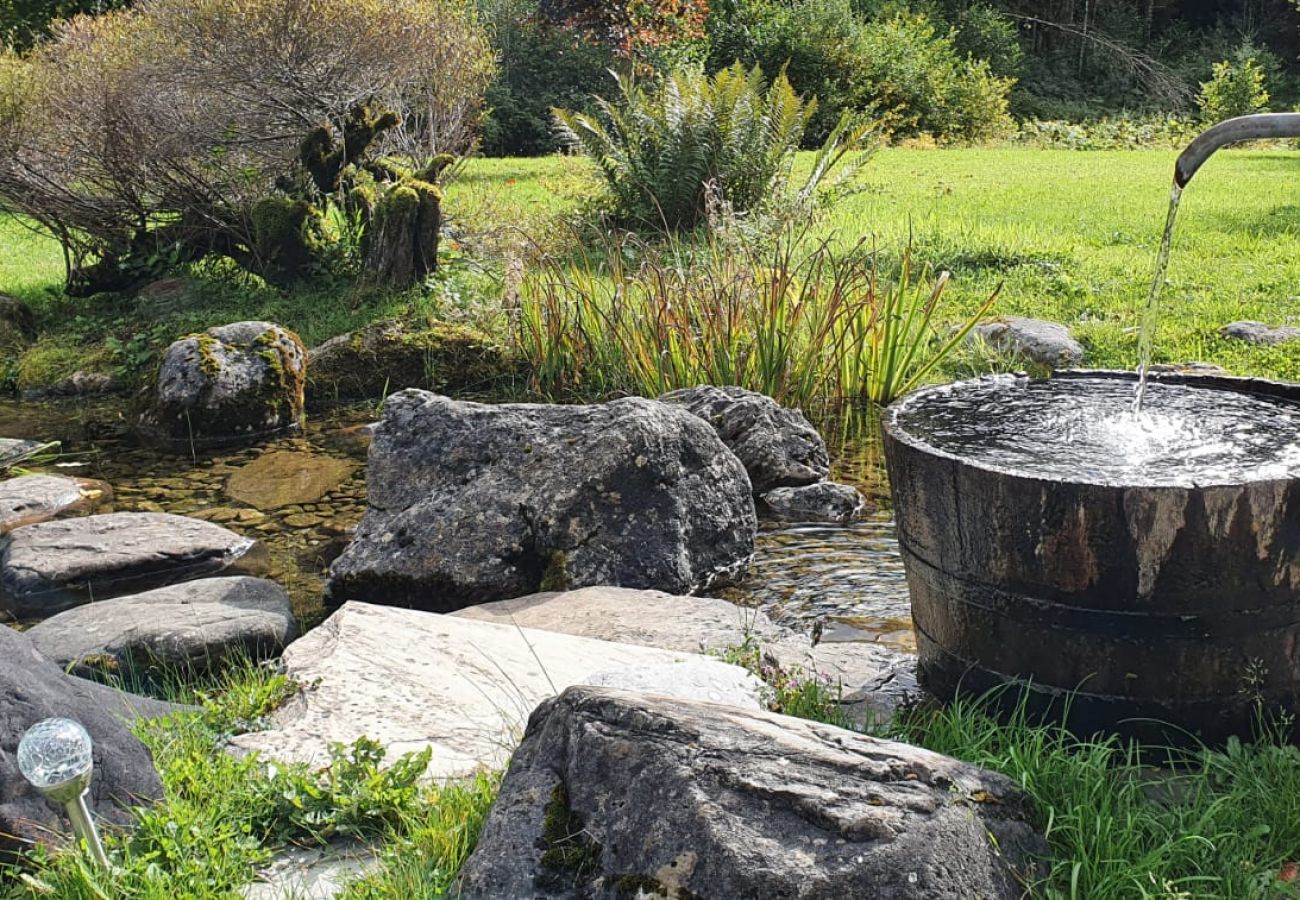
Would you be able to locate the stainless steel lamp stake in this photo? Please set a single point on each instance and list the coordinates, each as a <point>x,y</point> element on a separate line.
<point>56,756</point>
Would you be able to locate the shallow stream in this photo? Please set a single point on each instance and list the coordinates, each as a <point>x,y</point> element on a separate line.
<point>301,496</point>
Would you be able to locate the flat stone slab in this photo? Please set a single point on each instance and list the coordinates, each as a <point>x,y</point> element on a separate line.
<point>286,478</point>
<point>875,679</point>
<point>29,499</point>
<point>13,451</point>
<point>194,626</point>
<point>411,680</point>
<point>53,566</point>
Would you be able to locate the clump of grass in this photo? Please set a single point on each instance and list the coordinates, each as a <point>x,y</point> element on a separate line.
<point>223,817</point>
<point>793,318</point>
<point>1125,820</point>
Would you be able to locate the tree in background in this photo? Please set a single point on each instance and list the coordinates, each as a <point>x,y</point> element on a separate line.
<point>24,22</point>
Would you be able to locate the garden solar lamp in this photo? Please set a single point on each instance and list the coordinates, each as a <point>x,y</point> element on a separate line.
<point>55,756</point>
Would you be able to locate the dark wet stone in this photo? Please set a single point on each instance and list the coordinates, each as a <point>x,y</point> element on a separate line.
<point>776,444</point>
<point>825,501</point>
<point>33,688</point>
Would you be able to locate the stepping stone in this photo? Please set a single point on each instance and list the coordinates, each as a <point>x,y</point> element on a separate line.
<point>14,451</point>
<point>412,680</point>
<point>193,626</point>
<point>29,499</point>
<point>53,566</point>
<point>313,873</point>
<point>286,478</point>
<point>875,679</point>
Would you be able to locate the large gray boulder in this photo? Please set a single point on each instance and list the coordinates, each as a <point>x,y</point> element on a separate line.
<point>29,499</point>
<point>1037,340</point>
<point>776,444</point>
<point>470,503</point>
<point>33,688</point>
<point>194,627</point>
<point>229,384</point>
<point>613,793</point>
<point>53,566</point>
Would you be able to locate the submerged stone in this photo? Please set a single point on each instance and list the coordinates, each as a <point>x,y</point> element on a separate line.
<point>285,478</point>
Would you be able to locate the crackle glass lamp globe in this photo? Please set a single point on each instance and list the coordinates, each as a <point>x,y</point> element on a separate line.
<point>56,756</point>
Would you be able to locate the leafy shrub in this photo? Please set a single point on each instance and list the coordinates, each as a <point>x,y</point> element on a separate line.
<point>1117,133</point>
<point>23,22</point>
<point>900,67</point>
<point>804,323</point>
<point>663,149</point>
<point>1237,88</point>
<point>156,135</point>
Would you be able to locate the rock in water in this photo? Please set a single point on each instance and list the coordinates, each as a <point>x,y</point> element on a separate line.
<point>233,383</point>
<point>1040,341</point>
<point>613,793</point>
<point>286,478</point>
<point>29,499</point>
<point>825,501</point>
<point>35,688</point>
<point>776,444</point>
<point>470,503</point>
<point>50,567</point>
<point>190,627</point>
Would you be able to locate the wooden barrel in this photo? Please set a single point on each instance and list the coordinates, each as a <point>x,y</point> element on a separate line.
<point>1164,613</point>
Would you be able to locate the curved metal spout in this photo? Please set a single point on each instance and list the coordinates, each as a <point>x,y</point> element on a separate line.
<point>1243,128</point>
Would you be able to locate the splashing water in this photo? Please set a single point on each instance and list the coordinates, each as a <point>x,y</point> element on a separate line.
<point>1085,430</point>
<point>1147,336</point>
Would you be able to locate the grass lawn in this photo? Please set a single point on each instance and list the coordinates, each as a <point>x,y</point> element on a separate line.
<point>1070,235</point>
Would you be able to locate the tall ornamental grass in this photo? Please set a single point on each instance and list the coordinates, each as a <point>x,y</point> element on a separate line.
<point>800,321</point>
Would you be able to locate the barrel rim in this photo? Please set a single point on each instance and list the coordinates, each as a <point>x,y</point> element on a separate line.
<point>1280,390</point>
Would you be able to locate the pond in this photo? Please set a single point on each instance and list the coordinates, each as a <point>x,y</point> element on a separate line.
<point>301,496</point>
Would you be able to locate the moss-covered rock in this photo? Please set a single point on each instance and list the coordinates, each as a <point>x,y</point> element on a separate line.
<point>379,359</point>
<point>230,384</point>
<point>50,368</point>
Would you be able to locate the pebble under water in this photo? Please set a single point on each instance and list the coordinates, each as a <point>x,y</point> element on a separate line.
<point>1085,430</point>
